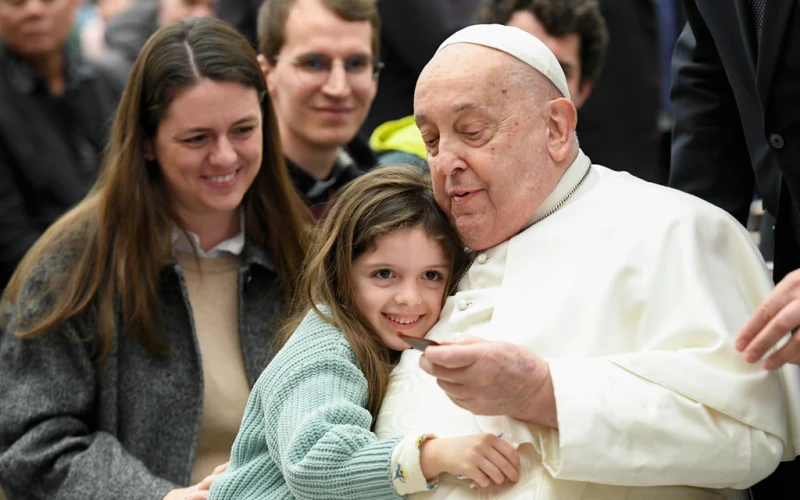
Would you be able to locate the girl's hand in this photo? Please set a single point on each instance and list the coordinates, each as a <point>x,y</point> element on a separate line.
<point>205,484</point>
<point>200,490</point>
<point>484,458</point>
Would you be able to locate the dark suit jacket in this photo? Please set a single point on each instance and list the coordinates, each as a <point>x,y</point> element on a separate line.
<point>737,110</point>
<point>50,148</point>
<point>737,127</point>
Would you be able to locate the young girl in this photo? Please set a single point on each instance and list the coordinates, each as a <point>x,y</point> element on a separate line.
<point>381,263</point>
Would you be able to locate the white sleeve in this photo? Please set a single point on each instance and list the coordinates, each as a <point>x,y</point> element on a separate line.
<point>618,428</point>
<point>684,408</point>
<point>407,476</point>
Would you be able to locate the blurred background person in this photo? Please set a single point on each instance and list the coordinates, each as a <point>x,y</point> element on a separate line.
<point>320,61</point>
<point>574,30</point>
<point>126,33</point>
<point>626,124</point>
<point>55,112</point>
<point>90,24</point>
<point>136,326</point>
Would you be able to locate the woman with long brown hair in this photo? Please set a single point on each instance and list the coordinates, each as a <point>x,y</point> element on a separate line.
<point>135,327</point>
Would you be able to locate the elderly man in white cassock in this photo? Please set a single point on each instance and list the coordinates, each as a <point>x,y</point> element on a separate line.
<point>595,327</point>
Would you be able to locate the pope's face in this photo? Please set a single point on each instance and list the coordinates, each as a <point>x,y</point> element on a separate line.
<point>486,141</point>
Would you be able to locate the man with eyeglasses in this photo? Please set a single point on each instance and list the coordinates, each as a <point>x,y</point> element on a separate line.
<point>319,59</point>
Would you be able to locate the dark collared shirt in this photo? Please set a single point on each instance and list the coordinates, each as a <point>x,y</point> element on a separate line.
<point>50,148</point>
<point>352,161</point>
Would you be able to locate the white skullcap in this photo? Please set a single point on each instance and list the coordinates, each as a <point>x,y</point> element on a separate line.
<point>515,42</point>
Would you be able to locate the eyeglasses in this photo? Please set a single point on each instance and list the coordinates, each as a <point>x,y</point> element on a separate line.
<point>315,69</point>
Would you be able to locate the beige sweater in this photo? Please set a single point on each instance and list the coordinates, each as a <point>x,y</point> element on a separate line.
<point>212,285</point>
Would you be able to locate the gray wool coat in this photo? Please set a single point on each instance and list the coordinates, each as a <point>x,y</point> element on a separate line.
<point>130,431</point>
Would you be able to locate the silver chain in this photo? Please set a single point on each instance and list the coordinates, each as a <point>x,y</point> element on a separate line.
<point>540,219</point>
<point>564,199</point>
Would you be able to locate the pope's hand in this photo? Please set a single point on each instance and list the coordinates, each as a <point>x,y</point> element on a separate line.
<point>494,378</point>
<point>773,319</point>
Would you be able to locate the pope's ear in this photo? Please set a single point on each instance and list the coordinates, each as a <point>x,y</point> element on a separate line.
<point>561,123</point>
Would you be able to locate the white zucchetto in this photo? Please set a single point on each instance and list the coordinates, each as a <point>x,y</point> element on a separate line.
<point>517,43</point>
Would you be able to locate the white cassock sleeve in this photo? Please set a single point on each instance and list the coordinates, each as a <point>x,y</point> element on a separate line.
<point>684,408</point>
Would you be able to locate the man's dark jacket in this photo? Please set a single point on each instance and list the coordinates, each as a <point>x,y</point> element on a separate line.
<point>737,128</point>
<point>50,148</point>
<point>737,112</point>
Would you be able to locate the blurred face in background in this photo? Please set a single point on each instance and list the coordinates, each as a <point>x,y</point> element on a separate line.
<point>323,82</point>
<point>567,50</point>
<point>170,11</point>
<point>36,28</point>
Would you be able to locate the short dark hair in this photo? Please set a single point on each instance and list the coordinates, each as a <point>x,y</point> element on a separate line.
<point>273,14</point>
<point>560,18</point>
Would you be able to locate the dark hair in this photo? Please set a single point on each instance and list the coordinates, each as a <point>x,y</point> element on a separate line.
<point>273,14</point>
<point>560,18</point>
<point>123,228</point>
<point>377,203</point>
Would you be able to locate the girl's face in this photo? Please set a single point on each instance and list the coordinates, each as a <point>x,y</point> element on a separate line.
<point>399,284</point>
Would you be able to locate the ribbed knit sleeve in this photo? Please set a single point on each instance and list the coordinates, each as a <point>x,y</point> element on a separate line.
<point>306,433</point>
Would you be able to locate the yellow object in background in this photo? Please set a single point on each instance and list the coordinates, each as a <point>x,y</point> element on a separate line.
<point>399,135</point>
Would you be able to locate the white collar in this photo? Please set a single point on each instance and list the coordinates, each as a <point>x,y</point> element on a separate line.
<point>569,181</point>
<point>233,246</point>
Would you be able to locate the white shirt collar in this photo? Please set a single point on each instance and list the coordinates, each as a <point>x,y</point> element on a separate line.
<point>569,180</point>
<point>233,246</point>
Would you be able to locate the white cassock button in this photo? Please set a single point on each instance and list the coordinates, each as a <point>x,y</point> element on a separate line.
<point>462,304</point>
<point>482,258</point>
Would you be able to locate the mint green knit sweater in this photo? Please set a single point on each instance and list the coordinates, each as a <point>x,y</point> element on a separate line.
<point>305,432</point>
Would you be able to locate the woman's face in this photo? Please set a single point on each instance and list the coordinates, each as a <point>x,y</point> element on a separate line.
<point>209,147</point>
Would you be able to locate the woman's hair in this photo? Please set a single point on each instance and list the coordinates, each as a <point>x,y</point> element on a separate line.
<point>122,231</point>
<point>375,204</point>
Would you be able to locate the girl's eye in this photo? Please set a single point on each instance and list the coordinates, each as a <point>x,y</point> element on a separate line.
<point>383,274</point>
<point>432,276</point>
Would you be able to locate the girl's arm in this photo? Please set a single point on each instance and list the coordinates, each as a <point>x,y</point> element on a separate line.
<point>306,432</point>
<point>318,430</point>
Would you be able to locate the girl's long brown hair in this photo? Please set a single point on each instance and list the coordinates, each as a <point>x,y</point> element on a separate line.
<point>378,203</point>
<point>121,232</point>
